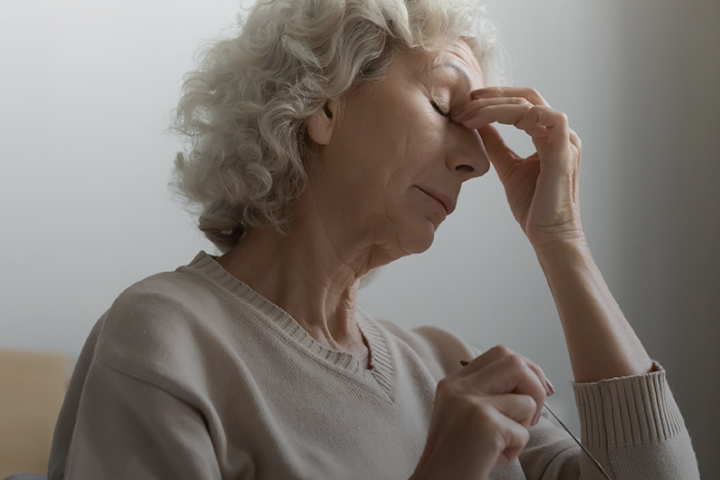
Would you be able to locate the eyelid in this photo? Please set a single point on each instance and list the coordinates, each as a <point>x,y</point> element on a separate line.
<point>439,110</point>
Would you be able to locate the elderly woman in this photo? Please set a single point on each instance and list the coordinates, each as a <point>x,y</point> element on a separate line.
<point>328,138</point>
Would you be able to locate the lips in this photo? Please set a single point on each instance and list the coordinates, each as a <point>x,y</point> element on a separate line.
<point>444,200</point>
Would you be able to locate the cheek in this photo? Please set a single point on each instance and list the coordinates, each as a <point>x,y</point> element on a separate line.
<point>412,158</point>
<point>419,147</point>
<point>386,147</point>
<point>378,151</point>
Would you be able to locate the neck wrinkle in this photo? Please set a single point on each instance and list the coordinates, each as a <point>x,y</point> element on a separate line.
<point>304,274</point>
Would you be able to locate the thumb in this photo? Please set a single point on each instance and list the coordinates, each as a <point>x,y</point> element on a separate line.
<point>502,157</point>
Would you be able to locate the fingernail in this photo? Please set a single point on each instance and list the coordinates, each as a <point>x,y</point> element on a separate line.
<point>463,362</point>
<point>552,388</point>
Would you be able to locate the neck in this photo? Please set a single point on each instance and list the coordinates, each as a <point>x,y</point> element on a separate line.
<point>309,274</point>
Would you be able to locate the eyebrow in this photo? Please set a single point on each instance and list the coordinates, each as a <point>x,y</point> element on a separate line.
<point>457,68</point>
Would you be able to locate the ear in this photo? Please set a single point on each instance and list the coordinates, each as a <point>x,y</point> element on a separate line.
<point>320,124</point>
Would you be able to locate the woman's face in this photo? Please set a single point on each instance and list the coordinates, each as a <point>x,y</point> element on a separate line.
<point>392,168</point>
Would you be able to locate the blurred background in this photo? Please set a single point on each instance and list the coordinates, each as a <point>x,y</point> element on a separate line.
<point>86,93</point>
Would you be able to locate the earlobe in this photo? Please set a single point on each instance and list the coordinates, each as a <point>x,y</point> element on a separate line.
<point>320,124</point>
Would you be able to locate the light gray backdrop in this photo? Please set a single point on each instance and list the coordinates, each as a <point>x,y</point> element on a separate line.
<point>86,89</point>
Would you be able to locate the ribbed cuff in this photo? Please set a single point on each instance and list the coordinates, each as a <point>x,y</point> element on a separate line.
<point>626,411</point>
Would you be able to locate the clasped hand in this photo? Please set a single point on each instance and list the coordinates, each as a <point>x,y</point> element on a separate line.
<point>482,415</point>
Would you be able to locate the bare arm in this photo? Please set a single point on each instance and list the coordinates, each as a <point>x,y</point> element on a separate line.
<point>601,342</point>
<point>543,193</point>
<point>610,365</point>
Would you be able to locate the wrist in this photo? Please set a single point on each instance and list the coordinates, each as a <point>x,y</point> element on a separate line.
<point>557,237</point>
<point>562,249</point>
<point>564,261</point>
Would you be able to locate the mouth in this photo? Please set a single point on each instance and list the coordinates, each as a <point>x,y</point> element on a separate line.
<point>443,200</point>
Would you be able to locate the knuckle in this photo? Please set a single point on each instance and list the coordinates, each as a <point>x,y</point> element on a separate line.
<point>445,386</point>
<point>533,112</point>
<point>528,403</point>
<point>532,368</point>
<point>450,389</point>
<point>524,436</point>
<point>498,441</point>
<point>502,350</point>
<point>485,417</point>
<point>516,361</point>
<point>481,411</point>
<point>576,139</point>
<point>476,411</point>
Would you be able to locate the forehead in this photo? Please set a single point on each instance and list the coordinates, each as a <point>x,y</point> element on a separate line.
<point>458,56</point>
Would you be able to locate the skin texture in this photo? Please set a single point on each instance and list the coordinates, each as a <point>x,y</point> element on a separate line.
<point>377,155</point>
<point>364,205</point>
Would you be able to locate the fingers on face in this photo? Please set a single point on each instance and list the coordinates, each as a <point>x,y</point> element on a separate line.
<point>538,121</point>
<point>479,103</point>
<point>532,95</point>
<point>527,110</point>
<point>524,108</point>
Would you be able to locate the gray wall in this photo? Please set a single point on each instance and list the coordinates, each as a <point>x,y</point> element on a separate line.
<point>669,242</point>
<point>87,88</point>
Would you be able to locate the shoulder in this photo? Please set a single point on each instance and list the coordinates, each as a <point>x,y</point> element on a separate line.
<point>159,303</point>
<point>166,297</point>
<point>159,326</point>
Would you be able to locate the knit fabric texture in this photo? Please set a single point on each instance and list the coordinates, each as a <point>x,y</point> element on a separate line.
<point>192,375</point>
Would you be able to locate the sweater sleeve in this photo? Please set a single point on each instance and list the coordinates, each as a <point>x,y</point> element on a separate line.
<point>632,426</point>
<point>129,428</point>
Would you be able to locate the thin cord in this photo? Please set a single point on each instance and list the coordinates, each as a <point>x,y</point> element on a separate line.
<point>597,464</point>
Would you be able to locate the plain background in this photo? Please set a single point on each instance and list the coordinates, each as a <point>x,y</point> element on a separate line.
<point>86,93</point>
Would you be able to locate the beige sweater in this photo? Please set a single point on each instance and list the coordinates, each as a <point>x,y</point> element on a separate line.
<point>192,375</point>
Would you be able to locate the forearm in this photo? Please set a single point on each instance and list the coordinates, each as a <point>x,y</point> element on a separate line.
<point>600,341</point>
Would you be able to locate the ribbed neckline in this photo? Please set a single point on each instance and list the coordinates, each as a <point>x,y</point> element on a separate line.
<point>381,371</point>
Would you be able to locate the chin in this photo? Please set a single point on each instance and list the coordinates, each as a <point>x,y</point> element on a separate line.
<point>420,240</point>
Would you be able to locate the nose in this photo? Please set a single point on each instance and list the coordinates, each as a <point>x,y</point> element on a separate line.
<point>466,155</point>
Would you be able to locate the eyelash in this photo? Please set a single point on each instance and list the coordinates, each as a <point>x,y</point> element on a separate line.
<point>435,106</point>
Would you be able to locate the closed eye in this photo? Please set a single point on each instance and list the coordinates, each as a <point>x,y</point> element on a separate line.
<point>435,106</point>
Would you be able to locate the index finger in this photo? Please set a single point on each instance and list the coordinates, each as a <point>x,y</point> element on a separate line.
<point>500,351</point>
<point>532,95</point>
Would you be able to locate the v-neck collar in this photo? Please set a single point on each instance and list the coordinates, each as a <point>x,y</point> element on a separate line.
<point>379,375</point>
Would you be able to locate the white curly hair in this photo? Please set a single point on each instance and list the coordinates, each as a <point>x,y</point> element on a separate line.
<point>243,111</point>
